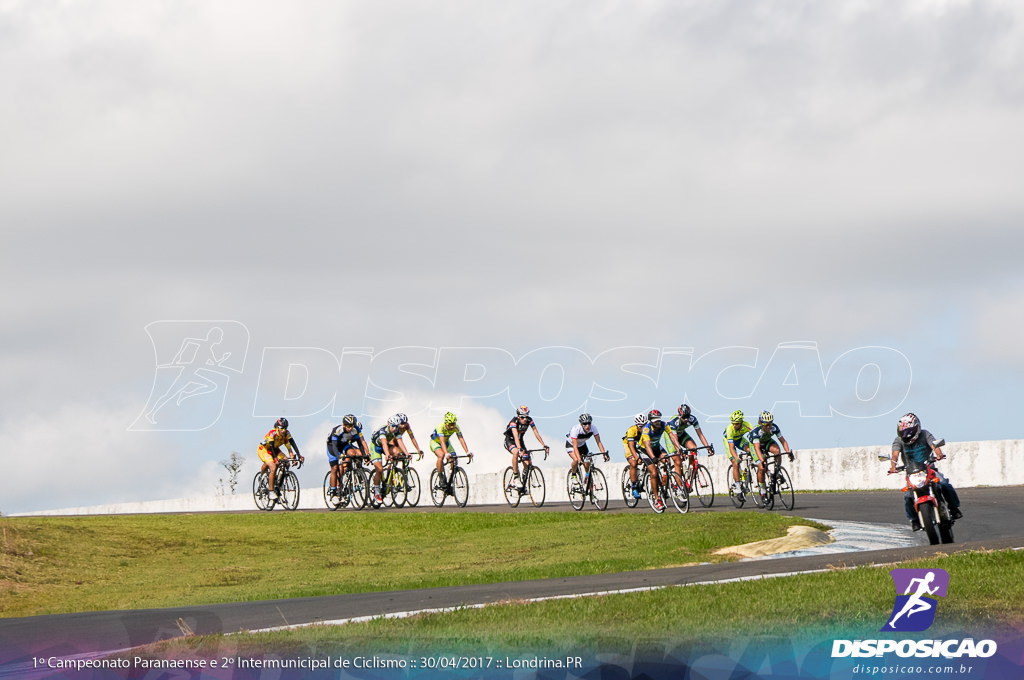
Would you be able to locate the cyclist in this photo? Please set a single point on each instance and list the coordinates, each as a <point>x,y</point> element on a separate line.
<point>763,438</point>
<point>343,441</point>
<point>916,446</point>
<point>514,433</point>
<point>736,441</point>
<point>679,438</point>
<point>441,444</point>
<point>270,451</point>
<point>406,428</point>
<point>637,443</point>
<point>387,441</point>
<point>576,442</point>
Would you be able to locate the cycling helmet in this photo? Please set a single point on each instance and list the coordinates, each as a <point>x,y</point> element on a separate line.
<point>585,419</point>
<point>449,418</point>
<point>281,424</point>
<point>402,418</point>
<point>394,421</point>
<point>654,415</point>
<point>523,411</point>
<point>684,411</point>
<point>736,417</point>
<point>349,420</point>
<point>640,419</point>
<point>765,418</point>
<point>908,428</point>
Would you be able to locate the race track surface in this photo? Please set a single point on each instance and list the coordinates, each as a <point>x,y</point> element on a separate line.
<point>991,522</point>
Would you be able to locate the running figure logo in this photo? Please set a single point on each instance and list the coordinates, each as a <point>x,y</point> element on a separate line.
<point>915,609</point>
<point>194,363</point>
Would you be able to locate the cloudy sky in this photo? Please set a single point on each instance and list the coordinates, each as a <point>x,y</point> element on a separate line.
<point>809,207</point>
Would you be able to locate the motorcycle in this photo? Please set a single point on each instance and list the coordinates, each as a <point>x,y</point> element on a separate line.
<point>929,501</point>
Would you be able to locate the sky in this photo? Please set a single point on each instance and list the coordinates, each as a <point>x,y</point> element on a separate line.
<point>812,208</point>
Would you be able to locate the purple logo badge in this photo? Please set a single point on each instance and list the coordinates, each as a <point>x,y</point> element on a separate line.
<point>916,590</point>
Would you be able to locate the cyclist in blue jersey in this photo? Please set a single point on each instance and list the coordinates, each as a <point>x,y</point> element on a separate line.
<point>344,440</point>
<point>762,438</point>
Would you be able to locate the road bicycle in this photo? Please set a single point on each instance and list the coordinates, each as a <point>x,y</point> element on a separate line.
<point>286,484</point>
<point>671,486</point>
<point>748,482</point>
<point>353,486</point>
<point>697,478</point>
<point>454,483</point>
<point>777,483</point>
<point>531,480</point>
<point>627,485</point>
<point>400,483</point>
<point>593,486</point>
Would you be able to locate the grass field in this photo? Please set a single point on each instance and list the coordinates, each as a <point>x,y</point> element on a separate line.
<point>57,565</point>
<point>986,593</point>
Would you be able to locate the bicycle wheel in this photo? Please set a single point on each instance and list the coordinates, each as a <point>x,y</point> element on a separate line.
<point>438,492</point>
<point>329,500</point>
<point>460,487</point>
<point>770,491</point>
<point>678,493</point>
<point>260,492</point>
<point>627,490</point>
<point>354,488</point>
<point>289,491</point>
<point>511,490</point>
<point>784,487</point>
<point>396,487</point>
<point>755,491</point>
<point>703,487</point>
<point>412,487</point>
<point>652,497</point>
<point>598,488</point>
<point>535,485</point>
<point>574,488</point>
<point>737,498</point>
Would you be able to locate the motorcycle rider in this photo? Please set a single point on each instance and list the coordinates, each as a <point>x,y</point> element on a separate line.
<point>916,446</point>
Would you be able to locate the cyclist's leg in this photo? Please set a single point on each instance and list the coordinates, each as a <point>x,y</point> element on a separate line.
<point>574,466</point>
<point>435,447</point>
<point>269,466</point>
<point>510,446</point>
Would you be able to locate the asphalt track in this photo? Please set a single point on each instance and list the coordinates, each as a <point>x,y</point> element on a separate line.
<point>991,522</point>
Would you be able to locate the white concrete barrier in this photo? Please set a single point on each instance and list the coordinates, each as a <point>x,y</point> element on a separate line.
<point>990,463</point>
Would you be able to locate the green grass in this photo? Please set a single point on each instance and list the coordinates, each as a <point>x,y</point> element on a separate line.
<point>986,592</point>
<point>58,565</point>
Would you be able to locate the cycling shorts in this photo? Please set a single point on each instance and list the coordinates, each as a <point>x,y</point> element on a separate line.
<point>435,445</point>
<point>742,445</point>
<point>266,456</point>
<point>349,450</point>
<point>683,437</point>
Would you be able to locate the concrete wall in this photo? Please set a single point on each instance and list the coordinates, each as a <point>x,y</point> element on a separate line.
<point>992,463</point>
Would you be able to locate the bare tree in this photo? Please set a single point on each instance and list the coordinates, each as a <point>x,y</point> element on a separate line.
<point>234,466</point>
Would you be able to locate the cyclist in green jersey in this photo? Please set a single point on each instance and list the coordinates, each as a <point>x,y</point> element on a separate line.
<point>736,441</point>
<point>679,438</point>
<point>441,444</point>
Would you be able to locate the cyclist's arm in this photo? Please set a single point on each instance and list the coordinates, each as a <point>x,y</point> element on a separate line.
<point>702,439</point>
<point>536,433</point>
<point>462,440</point>
<point>597,438</point>
<point>674,438</point>
<point>293,447</point>
<point>401,446</point>
<point>785,444</point>
<point>518,440</point>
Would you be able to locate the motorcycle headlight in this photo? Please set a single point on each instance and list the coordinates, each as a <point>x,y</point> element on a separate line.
<point>918,479</point>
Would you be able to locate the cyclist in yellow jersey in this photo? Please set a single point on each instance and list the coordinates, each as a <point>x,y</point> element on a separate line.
<point>735,438</point>
<point>440,441</point>
<point>637,446</point>
<point>270,451</point>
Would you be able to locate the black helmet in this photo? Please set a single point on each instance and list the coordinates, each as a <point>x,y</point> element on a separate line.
<point>684,411</point>
<point>653,415</point>
<point>349,420</point>
<point>585,419</point>
<point>281,424</point>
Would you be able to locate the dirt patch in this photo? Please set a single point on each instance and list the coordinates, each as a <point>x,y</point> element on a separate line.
<point>797,538</point>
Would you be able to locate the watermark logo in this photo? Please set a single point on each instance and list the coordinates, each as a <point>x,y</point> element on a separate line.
<point>195,361</point>
<point>915,608</point>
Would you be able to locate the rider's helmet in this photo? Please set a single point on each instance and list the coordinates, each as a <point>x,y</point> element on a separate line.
<point>281,424</point>
<point>585,419</point>
<point>394,421</point>
<point>449,419</point>
<point>402,418</point>
<point>765,418</point>
<point>640,419</point>
<point>349,420</point>
<point>523,411</point>
<point>736,417</point>
<point>908,428</point>
<point>684,411</point>
<point>654,415</point>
